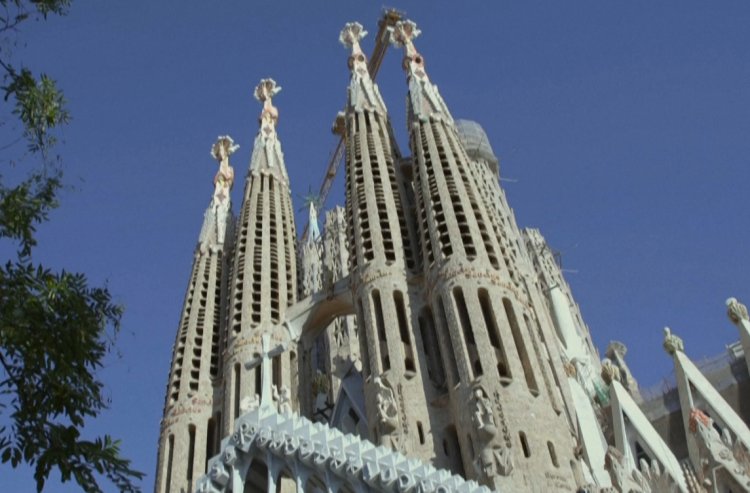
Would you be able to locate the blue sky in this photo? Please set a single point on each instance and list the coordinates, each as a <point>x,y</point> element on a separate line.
<point>621,127</point>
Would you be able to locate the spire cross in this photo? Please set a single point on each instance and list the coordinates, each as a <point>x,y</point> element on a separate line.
<point>264,92</point>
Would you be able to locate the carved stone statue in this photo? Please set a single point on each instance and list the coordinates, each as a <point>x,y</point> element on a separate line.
<point>672,343</point>
<point>616,352</point>
<point>283,399</point>
<point>610,372</point>
<point>387,408</point>
<point>736,311</point>
<point>492,461</point>
<point>484,421</point>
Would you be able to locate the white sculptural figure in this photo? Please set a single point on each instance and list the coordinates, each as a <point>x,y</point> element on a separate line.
<point>387,409</point>
<point>283,399</point>
<point>482,416</point>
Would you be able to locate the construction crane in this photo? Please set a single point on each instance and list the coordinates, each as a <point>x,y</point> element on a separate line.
<point>382,40</point>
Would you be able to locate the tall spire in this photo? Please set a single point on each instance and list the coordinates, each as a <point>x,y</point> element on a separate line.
<point>363,93</point>
<point>189,420</point>
<point>267,154</point>
<point>424,99</point>
<point>218,213</point>
<point>263,279</point>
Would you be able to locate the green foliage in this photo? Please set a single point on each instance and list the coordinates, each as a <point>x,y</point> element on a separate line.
<point>55,330</point>
<point>53,338</point>
<point>39,105</point>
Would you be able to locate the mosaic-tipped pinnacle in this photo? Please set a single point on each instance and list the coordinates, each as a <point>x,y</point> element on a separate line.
<point>352,33</point>
<point>404,32</point>
<point>266,89</point>
<point>224,143</point>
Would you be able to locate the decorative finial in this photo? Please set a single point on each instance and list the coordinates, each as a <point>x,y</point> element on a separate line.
<point>736,311</point>
<point>223,180</point>
<point>349,37</point>
<point>223,148</point>
<point>351,34</point>
<point>672,343</point>
<point>616,348</point>
<point>403,34</point>
<point>264,92</point>
<point>610,372</point>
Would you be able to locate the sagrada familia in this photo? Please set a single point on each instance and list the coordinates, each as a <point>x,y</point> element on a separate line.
<point>421,342</point>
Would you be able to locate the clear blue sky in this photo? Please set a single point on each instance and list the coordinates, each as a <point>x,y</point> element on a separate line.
<point>624,127</point>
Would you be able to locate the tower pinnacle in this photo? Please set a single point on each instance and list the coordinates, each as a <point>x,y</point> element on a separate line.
<point>350,36</point>
<point>267,153</point>
<point>363,93</point>
<point>264,92</point>
<point>218,214</point>
<point>221,150</point>
<point>424,99</point>
<point>404,33</point>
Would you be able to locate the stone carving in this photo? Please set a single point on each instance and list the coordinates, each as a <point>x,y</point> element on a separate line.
<point>501,419</point>
<point>404,33</point>
<point>654,479</point>
<point>387,410</point>
<point>719,451</point>
<point>283,399</point>
<point>616,352</point>
<point>481,417</point>
<point>221,150</point>
<point>736,311</point>
<point>672,343</point>
<point>264,92</point>
<point>351,34</point>
<point>492,461</point>
<point>249,403</point>
<point>494,454</point>
<point>294,442</point>
<point>610,372</point>
<point>570,369</point>
<point>619,472</point>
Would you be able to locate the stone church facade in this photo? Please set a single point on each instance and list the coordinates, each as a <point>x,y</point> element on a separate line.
<point>422,341</point>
